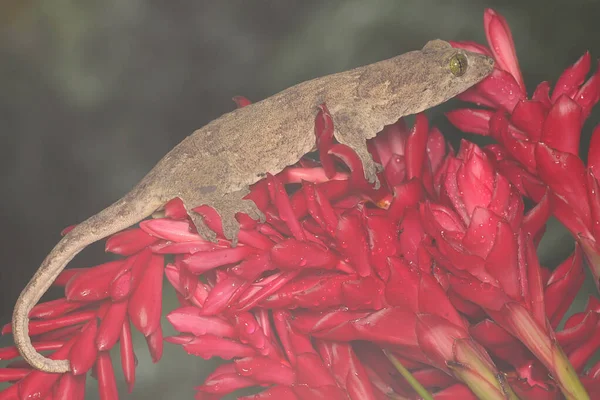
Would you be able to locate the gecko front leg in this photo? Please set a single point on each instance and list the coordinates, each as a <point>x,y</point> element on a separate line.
<point>227,205</point>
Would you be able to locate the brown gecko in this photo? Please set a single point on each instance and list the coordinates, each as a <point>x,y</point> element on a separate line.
<point>217,163</point>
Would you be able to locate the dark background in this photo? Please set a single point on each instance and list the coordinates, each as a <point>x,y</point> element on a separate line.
<point>94,93</point>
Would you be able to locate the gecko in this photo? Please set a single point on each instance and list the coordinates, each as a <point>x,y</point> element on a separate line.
<point>217,163</point>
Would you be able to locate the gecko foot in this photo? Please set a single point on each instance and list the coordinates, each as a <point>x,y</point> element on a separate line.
<point>226,205</point>
<point>359,145</point>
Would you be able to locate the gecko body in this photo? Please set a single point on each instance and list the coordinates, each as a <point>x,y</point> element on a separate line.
<point>216,164</point>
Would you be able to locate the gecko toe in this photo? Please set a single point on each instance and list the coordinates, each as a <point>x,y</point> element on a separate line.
<point>203,230</point>
<point>227,205</point>
<point>250,208</point>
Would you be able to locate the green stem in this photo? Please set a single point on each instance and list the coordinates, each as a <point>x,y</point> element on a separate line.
<point>421,391</point>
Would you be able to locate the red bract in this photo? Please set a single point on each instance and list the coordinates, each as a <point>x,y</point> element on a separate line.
<point>429,284</point>
<point>542,135</point>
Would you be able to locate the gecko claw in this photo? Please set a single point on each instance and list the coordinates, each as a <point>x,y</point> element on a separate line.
<point>227,206</point>
<point>203,230</point>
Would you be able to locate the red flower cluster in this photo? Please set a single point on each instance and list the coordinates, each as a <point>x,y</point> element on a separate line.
<point>428,287</point>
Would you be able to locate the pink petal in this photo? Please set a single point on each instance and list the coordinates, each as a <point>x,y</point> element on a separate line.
<point>562,287</point>
<point>500,89</point>
<point>351,159</point>
<point>593,190</point>
<point>281,200</point>
<point>241,101</point>
<point>593,158</point>
<point>111,326</point>
<point>248,330</point>
<point>521,148</point>
<point>292,254</point>
<point>352,241</point>
<point>578,328</point>
<point>129,242</point>
<point>483,294</point>
<point>84,353</point>
<point>383,233</point>
<point>121,286</point>
<point>224,379</point>
<point>316,291</point>
<point>529,116</point>
<point>407,195</point>
<point>395,170</point>
<point>471,120</point>
<point>10,352</point>
<point>168,229</point>
<point>128,360</point>
<point>562,127</point>
<point>436,337</point>
<point>535,220</point>
<point>128,278</point>
<point>313,175</point>
<point>324,134</point>
<point>265,370</point>
<point>471,46</point>
<point>436,148</point>
<point>252,267</point>
<point>347,369</point>
<point>45,326</point>
<point>38,384</point>
<point>570,80</point>
<point>174,209</point>
<point>201,262</point>
<point>535,288</point>
<point>187,247</point>
<point>320,208</point>
<point>564,173</point>
<point>107,386</point>
<point>263,288</point>
<point>70,387</point>
<point>145,303</point>
<point>542,94</point>
<point>13,374</point>
<point>500,343</point>
<point>190,320</point>
<point>363,293</point>
<point>589,94</point>
<point>501,42</point>
<point>416,144</point>
<point>180,279</point>
<point>208,346</point>
<point>223,294</point>
<point>54,308</point>
<point>94,283</point>
<point>155,344</point>
<point>474,179</point>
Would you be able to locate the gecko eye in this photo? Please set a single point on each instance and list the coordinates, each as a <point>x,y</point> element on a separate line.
<point>458,64</point>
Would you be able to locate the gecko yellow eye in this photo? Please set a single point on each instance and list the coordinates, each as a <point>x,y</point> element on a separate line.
<point>458,64</point>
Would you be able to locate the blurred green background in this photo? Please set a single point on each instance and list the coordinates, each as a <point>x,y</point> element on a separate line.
<point>94,93</point>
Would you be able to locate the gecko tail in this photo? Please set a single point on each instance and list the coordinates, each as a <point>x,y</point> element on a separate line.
<point>129,210</point>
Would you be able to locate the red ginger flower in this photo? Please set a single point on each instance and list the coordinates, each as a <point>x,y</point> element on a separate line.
<point>539,136</point>
<point>435,273</point>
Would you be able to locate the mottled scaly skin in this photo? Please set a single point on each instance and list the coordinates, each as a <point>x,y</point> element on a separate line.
<point>217,163</point>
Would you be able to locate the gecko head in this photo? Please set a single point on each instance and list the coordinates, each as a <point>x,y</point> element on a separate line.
<point>439,72</point>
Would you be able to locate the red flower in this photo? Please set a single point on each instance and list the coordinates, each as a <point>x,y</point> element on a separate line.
<point>540,136</point>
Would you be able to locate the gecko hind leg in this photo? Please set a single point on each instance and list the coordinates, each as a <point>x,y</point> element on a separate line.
<point>226,205</point>
<point>356,139</point>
